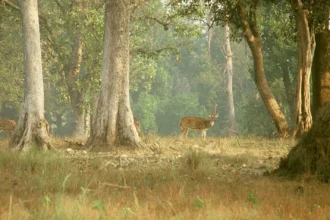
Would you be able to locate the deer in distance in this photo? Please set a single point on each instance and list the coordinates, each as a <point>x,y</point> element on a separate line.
<point>7,125</point>
<point>196,123</point>
<point>137,125</point>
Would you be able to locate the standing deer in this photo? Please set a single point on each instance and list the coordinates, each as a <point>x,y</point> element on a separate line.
<point>196,123</point>
<point>137,124</point>
<point>7,125</point>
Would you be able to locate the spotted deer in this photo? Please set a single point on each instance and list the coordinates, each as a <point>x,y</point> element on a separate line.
<point>7,125</point>
<point>196,123</point>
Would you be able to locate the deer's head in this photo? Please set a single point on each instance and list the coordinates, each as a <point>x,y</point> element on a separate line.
<point>213,116</point>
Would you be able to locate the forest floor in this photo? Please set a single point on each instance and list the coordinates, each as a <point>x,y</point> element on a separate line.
<point>168,178</point>
<point>247,157</point>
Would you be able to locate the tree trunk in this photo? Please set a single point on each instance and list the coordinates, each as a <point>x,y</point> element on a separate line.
<point>289,91</point>
<point>232,129</point>
<point>306,46</point>
<point>253,38</point>
<point>93,107</point>
<point>87,121</point>
<point>114,119</point>
<point>32,128</point>
<point>311,155</point>
<point>321,69</point>
<point>76,94</point>
<point>209,38</point>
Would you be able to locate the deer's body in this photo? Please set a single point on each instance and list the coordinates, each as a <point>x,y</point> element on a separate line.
<point>7,125</point>
<point>196,123</point>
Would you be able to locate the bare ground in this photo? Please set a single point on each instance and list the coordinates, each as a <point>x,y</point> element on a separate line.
<point>247,157</point>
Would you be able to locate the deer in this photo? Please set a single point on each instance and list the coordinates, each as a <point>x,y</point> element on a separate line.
<point>7,125</point>
<point>196,123</point>
<point>137,124</point>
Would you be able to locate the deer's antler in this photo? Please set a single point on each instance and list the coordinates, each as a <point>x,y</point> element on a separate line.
<point>206,111</point>
<point>215,108</point>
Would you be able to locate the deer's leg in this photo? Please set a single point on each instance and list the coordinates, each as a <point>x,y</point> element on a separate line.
<point>184,132</point>
<point>203,134</point>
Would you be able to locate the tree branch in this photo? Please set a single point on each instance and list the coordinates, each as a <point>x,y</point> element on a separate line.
<point>41,18</point>
<point>60,5</point>
<point>6,2</point>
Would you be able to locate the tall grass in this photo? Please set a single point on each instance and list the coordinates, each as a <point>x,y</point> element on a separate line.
<point>40,185</point>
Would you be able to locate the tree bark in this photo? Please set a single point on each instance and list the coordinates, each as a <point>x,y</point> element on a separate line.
<point>209,38</point>
<point>321,67</point>
<point>114,119</point>
<point>76,94</point>
<point>253,38</point>
<point>289,91</point>
<point>32,129</point>
<point>232,129</point>
<point>306,47</point>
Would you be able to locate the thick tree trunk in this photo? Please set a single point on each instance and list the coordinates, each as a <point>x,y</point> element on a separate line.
<point>253,38</point>
<point>114,119</point>
<point>306,46</point>
<point>321,69</point>
<point>232,129</point>
<point>311,155</point>
<point>32,128</point>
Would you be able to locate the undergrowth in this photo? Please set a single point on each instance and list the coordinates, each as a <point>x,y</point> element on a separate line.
<point>48,185</point>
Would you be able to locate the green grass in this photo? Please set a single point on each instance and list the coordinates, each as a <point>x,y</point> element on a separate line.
<point>201,180</point>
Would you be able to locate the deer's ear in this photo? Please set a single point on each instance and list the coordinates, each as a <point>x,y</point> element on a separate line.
<point>216,115</point>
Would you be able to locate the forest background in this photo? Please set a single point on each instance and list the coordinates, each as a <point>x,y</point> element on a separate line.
<point>173,73</point>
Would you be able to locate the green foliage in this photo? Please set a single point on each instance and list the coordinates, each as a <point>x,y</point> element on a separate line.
<point>171,73</point>
<point>199,203</point>
<point>11,59</point>
<point>252,198</point>
<point>145,110</point>
<point>170,111</point>
<point>98,204</point>
<point>45,201</point>
<point>253,118</point>
<point>143,72</point>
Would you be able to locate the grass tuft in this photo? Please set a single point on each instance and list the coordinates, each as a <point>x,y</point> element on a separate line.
<point>193,159</point>
<point>215,179</point>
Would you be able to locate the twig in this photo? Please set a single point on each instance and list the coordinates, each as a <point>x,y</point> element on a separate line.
<point>115,185</point>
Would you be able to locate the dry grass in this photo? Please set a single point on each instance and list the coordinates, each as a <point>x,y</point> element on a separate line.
<point>168,179</point>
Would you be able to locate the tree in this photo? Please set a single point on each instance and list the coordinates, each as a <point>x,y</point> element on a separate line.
<point>229,81</point>
<point>306,46</point>
<point>321,66</point>
<point>243,14</point>
<point>32,128</point>
<point>72,76</point>
<point>311,155</point>
<point>113,121</point>
<point>77,94</point>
